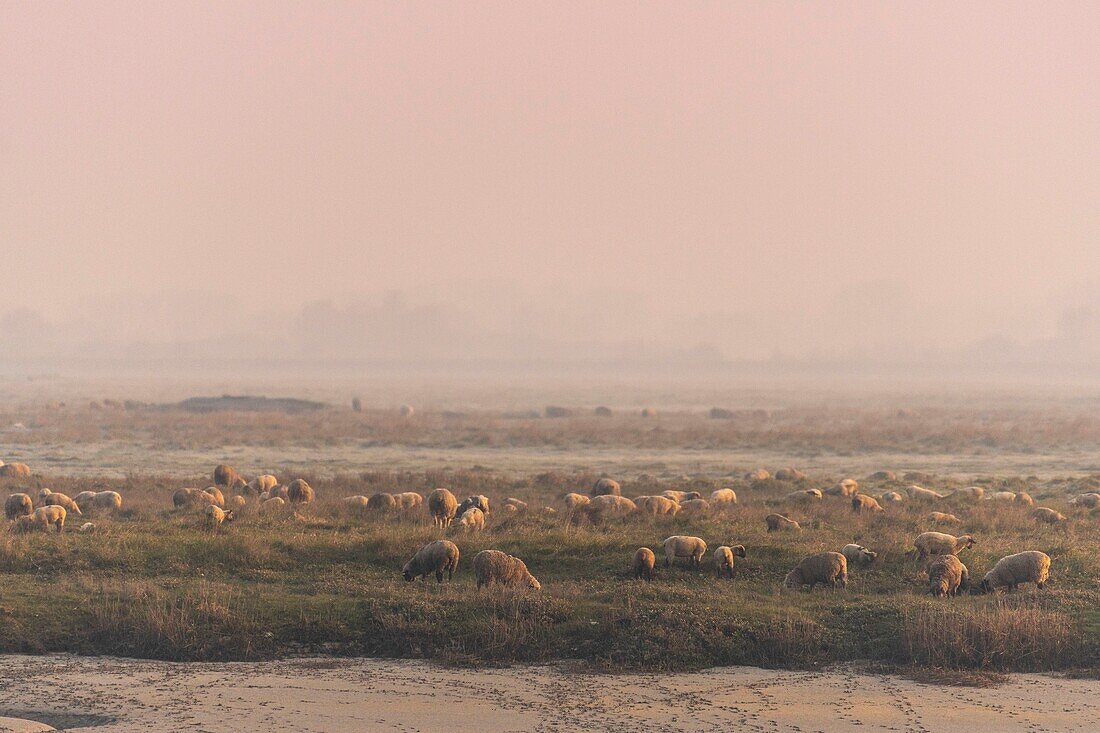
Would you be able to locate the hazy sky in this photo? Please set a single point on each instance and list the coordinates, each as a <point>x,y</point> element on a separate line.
<point>809,175</point>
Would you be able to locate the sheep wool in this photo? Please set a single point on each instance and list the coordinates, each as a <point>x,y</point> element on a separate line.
<point>644,560</point>
<point>1023,567</point>
<point>684,546</point>
<point>827,568</point>
<point>438,558</point>
<point>493,567</point>
<point>443,506</point>
<point>947,576</point>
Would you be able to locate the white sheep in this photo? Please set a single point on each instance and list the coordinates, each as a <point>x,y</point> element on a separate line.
<point>472,520</point>
<point>857,555</point>
<point>684,546</point>
<point>1023,567</point>
<point>724,559</point>
<point>937,543</point>
<point>437,557</point>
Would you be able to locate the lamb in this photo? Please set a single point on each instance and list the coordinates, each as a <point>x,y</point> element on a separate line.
<point>892,497</point>
<point>18,505</point>
<point>681,496</point>
<point>15,470</point>
<point>443,506</point>
<point>942,518</point>
<point>789,474</point>
<point>923,494</point>
<point>191,498</point>
<point>225,475</point>
<point>1087,501</point>
<point>723,559</point>
<point>408,500</point>
<point>723,497</point>
<point>1048,515</point>
<point>657,506</point>
<point>937,543</point>
<point>1023,567</point>
<point>493,567</point>
<point>827,568</point>
<point>970,493</point>
<point>947,576</point>
<point>472,520</point>
<point>55,499</point>
<point>760,474</point>
<point>779,522</point>
<point>606,487</point>
<point>644,560</point>
<point>602,507</point>
<point>437,557</point>
<point>110,501</point>
<point>847,487</point>
<point>695,507</point>
<point>806,495</point>
<point>862,503</point>
<point>300,492</point>
<point>216,516</point>
<point>479,501</point>
<point>857,555</point>
<point>381,502</point>
<point>684,546</point>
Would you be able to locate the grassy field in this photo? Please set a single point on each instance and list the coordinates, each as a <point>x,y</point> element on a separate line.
<point>154,583</point>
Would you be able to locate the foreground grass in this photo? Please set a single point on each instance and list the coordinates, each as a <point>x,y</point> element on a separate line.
<point>150,583</point>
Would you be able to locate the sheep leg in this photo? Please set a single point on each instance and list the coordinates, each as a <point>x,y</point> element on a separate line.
<point>439,576</point>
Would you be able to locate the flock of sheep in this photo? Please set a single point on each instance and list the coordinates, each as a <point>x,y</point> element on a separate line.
<point>947,575</point>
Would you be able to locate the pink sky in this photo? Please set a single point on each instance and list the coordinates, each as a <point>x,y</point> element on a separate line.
<point>840,170</point>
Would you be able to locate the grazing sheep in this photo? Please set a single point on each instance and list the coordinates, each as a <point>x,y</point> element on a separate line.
<point>275,503</point>
<point>575,501</point>
<point>1086,501</point>
<point>863,503</point>
<point>493,567</point>
<point>723,559</point>
<point>299,492</point>
<point>86,527</point>
<point>216,516</point>
<point>847,487</point>
<point>789,474</point>
<point>260,484</point>
<point>644,560</point>
<point>1048,515</point>
<point>1023,567</point>
<point>922,494</point>
<point>681,496</point>
<point>657,506</point>
<point>381,502</point>
<point>684,546</point>
<point>356,504</point>
<point>970,493</point>
<point>517,504</point>
<point>606,487</point>
<point>107,501</point>
<point>84,500</point>
<point>408,500</point>
<point>892,497</point>
<point>237,502</point>
<point>279,492</point>
<point>779,522</point>
<point>216,493</point>
<point>723,497</point>
<point>695,507</point>
<point>1024,498</point>
<point>18,505</point>
<point>603,507</point>
<point>883,476</point>
<point>942,518</point>
<point>225,475</point>
<point>798,497</point>
<point>471,520</point>
<point>947,576</point>
<point>191,498</point>
<point>438,557</point>
<point>760,474</point>
<point>15,470</point>
<point>857,555</point>
<point>442,505</point>
<point>480,501</point>
<point>55,499</point>
<point>937,543</point>
<point>827,568</point>
<point>52,514</point>
<point>1002,496</point>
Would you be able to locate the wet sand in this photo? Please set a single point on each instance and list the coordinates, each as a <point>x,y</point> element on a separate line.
<point>108,695</point>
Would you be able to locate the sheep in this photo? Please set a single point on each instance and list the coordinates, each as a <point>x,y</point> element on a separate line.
<point>479,501</point>
<point>947,576</point>
<point>191,498</point>
<point>15,470</point>
<point>517,504</point>
<point>937,543</point>
<point>52,514</point>
<point>695,507</point>
<point>723,497</point>
<point>1048,515</point>
<point>779,522</point>
<point>237,502</point>
<point>1023,567</point>
<point>681,496</point>
<point>225,475</point>
<point>892,497</point>
<point>300,492</point>
<point>760,474</point>
<point>1002,496</point>
<point>56,499</point>
<point>356,504</point>
<point>471,520</point>
<point>644,560</point>
<point>279,492</point>
<point>408,500</point>
<point>86,528</point>
<point>260,484</point>
<point>606,487</point>
<point>18,505</point>
<point>942,518</point>
<point>381,502</point>
<point>1086,501</point>
<point>789,474</point>
<point>442,505</point>
<point>827,568</point>
<point>216,493</point>
<point>723,559</point>
<point>438,557</point>
<point>804,496</point>
<point>656,506</point>
<point>275,503</point>
<point>85,500</point>
<point>847,487</point>
<point>923,494</point>
<point>970,493</point>
<point>883,476</point>
<point>574,501</point>
<point>602,507</point>
<point>216,516</point>
<point>107,501</point>
<point>857,555</point>
<point>493,567</point>
<point>863,503</point>
<point>1024,498</point>
<point>684,546</point>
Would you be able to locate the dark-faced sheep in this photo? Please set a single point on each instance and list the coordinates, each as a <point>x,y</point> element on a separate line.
<point>443,506</point>
<point>438,558</point>
<point>479,501</point>
<point>644,560</point>
<point>493,567</point>
<point>827,568</point>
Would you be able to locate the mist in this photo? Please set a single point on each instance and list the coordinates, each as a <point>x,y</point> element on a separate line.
<point>490,184</point>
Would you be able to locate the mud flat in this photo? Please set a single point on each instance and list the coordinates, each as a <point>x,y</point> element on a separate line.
<point>108,695</point>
